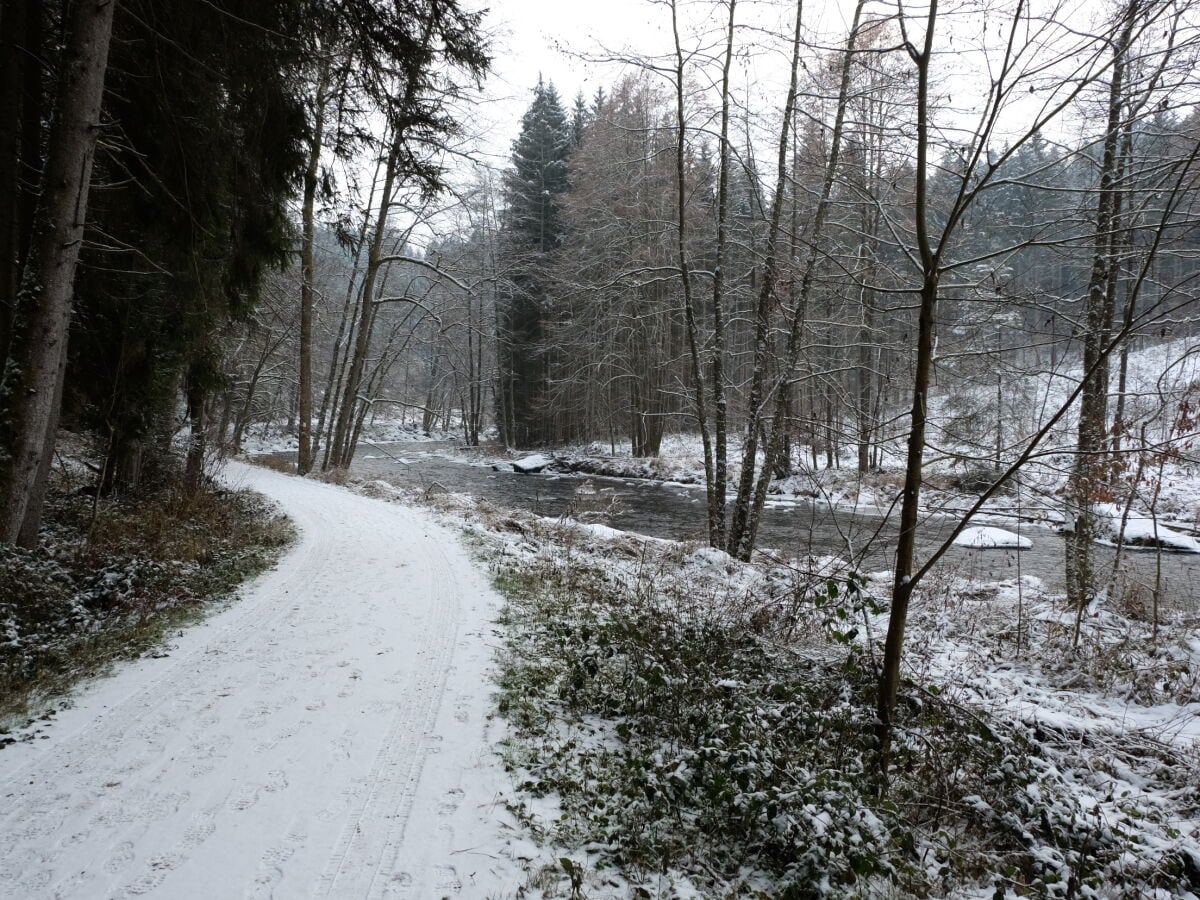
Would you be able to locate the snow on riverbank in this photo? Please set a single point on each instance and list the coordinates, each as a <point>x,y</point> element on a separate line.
<point>328,734</point>
<point>274,438</point>
<point>1160,378</point>
<point>986,538</point>
<point>1117,717</point>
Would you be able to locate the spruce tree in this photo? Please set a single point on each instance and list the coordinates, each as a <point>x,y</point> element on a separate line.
<point>533,231</point>
<point>580,117</point>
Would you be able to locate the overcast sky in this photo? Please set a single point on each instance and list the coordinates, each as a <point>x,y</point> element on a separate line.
<point>555,39</point>
<point>577,44</point>
<point>564,41</point>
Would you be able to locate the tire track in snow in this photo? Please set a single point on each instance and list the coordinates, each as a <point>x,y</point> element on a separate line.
<point>363,863</point>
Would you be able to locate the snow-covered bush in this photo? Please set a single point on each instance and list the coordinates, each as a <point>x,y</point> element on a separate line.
<point>678,734</point>
<point>38,609</point>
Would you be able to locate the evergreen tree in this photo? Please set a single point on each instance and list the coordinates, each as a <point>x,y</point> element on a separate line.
<point>580,118</point>
<point>539,173</point>
<point>206,130</point>
<point>533,231</point>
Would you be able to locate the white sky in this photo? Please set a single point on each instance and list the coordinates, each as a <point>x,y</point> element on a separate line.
<point>551,38</point>
<point>562,40</point>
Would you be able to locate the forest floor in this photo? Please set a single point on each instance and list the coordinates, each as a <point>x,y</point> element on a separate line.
<point>672,723</point>
<point>327,735</point>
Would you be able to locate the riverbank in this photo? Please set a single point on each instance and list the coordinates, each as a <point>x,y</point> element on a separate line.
<point>685,724</point>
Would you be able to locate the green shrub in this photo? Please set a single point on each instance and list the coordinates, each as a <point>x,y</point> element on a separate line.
<point>684,737</point>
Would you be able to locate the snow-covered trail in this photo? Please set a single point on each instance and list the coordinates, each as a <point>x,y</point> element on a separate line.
<point>326,736</point>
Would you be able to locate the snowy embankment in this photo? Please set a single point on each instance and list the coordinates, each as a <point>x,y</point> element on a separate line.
<point>327,735</point>
<point>1079,761</point>
<point>275,438</point>
<point>1163,380</point>
<point>986,538</point>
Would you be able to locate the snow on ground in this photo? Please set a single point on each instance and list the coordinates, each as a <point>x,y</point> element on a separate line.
<point>1162,379</point>
<point>530,464</point>
<point>1142,532</point>
<point>327,735</point>
<point>1120,713</point>
<point>274,438</point>
<point>988,538</point>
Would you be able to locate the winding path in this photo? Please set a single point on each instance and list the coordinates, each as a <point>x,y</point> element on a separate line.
<point>325,736</point>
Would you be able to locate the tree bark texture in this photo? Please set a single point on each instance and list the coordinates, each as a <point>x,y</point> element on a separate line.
<point>32,385</point>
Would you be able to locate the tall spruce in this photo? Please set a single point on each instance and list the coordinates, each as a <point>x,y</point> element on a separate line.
<point>533,231</point>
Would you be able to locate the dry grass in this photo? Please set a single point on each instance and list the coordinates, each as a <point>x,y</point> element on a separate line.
<point>274,462</point>
<point>100,590</point>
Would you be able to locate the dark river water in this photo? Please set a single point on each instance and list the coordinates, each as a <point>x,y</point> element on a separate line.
<point>678,512</point>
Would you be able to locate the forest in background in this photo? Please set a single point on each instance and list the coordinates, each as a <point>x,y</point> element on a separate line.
<point>151,155</point>
<point>940,239</point>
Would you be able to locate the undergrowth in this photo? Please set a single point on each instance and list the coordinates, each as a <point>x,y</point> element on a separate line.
<point>95,591</point>
<point>717,743</point>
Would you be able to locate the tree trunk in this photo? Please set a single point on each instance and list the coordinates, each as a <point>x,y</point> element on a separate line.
<point>12,51</point>
<point>685,275</point>
<point>1088,472</point>
<point>198,444</point>
<point>738,544</point>
<point>341,448</point>
<point>752,497</point>
<point>304,461</point>
<point>906,546</point>
<point>720,402</point>
<point>32,383</point>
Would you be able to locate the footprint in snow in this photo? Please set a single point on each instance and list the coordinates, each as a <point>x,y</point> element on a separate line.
<point>451,800</point>
<point>122,855</point>
<point>447,879</point>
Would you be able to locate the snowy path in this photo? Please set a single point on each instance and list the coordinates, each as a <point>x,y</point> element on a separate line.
<point>324,737</point>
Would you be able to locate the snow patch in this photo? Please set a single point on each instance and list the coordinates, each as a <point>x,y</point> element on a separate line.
<point>531,464</point>
<point>989,538</point>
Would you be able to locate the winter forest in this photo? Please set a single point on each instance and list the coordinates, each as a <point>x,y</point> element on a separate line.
<point>697,448</point>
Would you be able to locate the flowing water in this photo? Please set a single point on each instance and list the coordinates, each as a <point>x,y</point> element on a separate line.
<point>801,528</point>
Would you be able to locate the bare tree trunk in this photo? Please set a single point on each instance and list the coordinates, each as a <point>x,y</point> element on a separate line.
<point>694,346</point>
<point>304,461</point>
<point>739,525</point>
<point>720,402</point>
<point>340,448</point>
<point>1088,471</point>
<point>748,511</point>
<point>198,444</point>
<point>689,306</point>
<point>32,383</point>
<point>329,405</point>
<point>1124,242</point>
<point>902,586</point>
<point>864,376</point>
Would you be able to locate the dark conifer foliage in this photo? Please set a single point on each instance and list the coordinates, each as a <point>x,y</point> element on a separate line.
<point>205,127</point>
<point>533,232</point>
<point>193,151</point>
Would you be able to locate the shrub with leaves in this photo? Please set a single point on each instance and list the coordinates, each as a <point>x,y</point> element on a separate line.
<point>726,744</point>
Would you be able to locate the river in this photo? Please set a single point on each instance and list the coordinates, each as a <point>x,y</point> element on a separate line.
<point>803,528</point>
